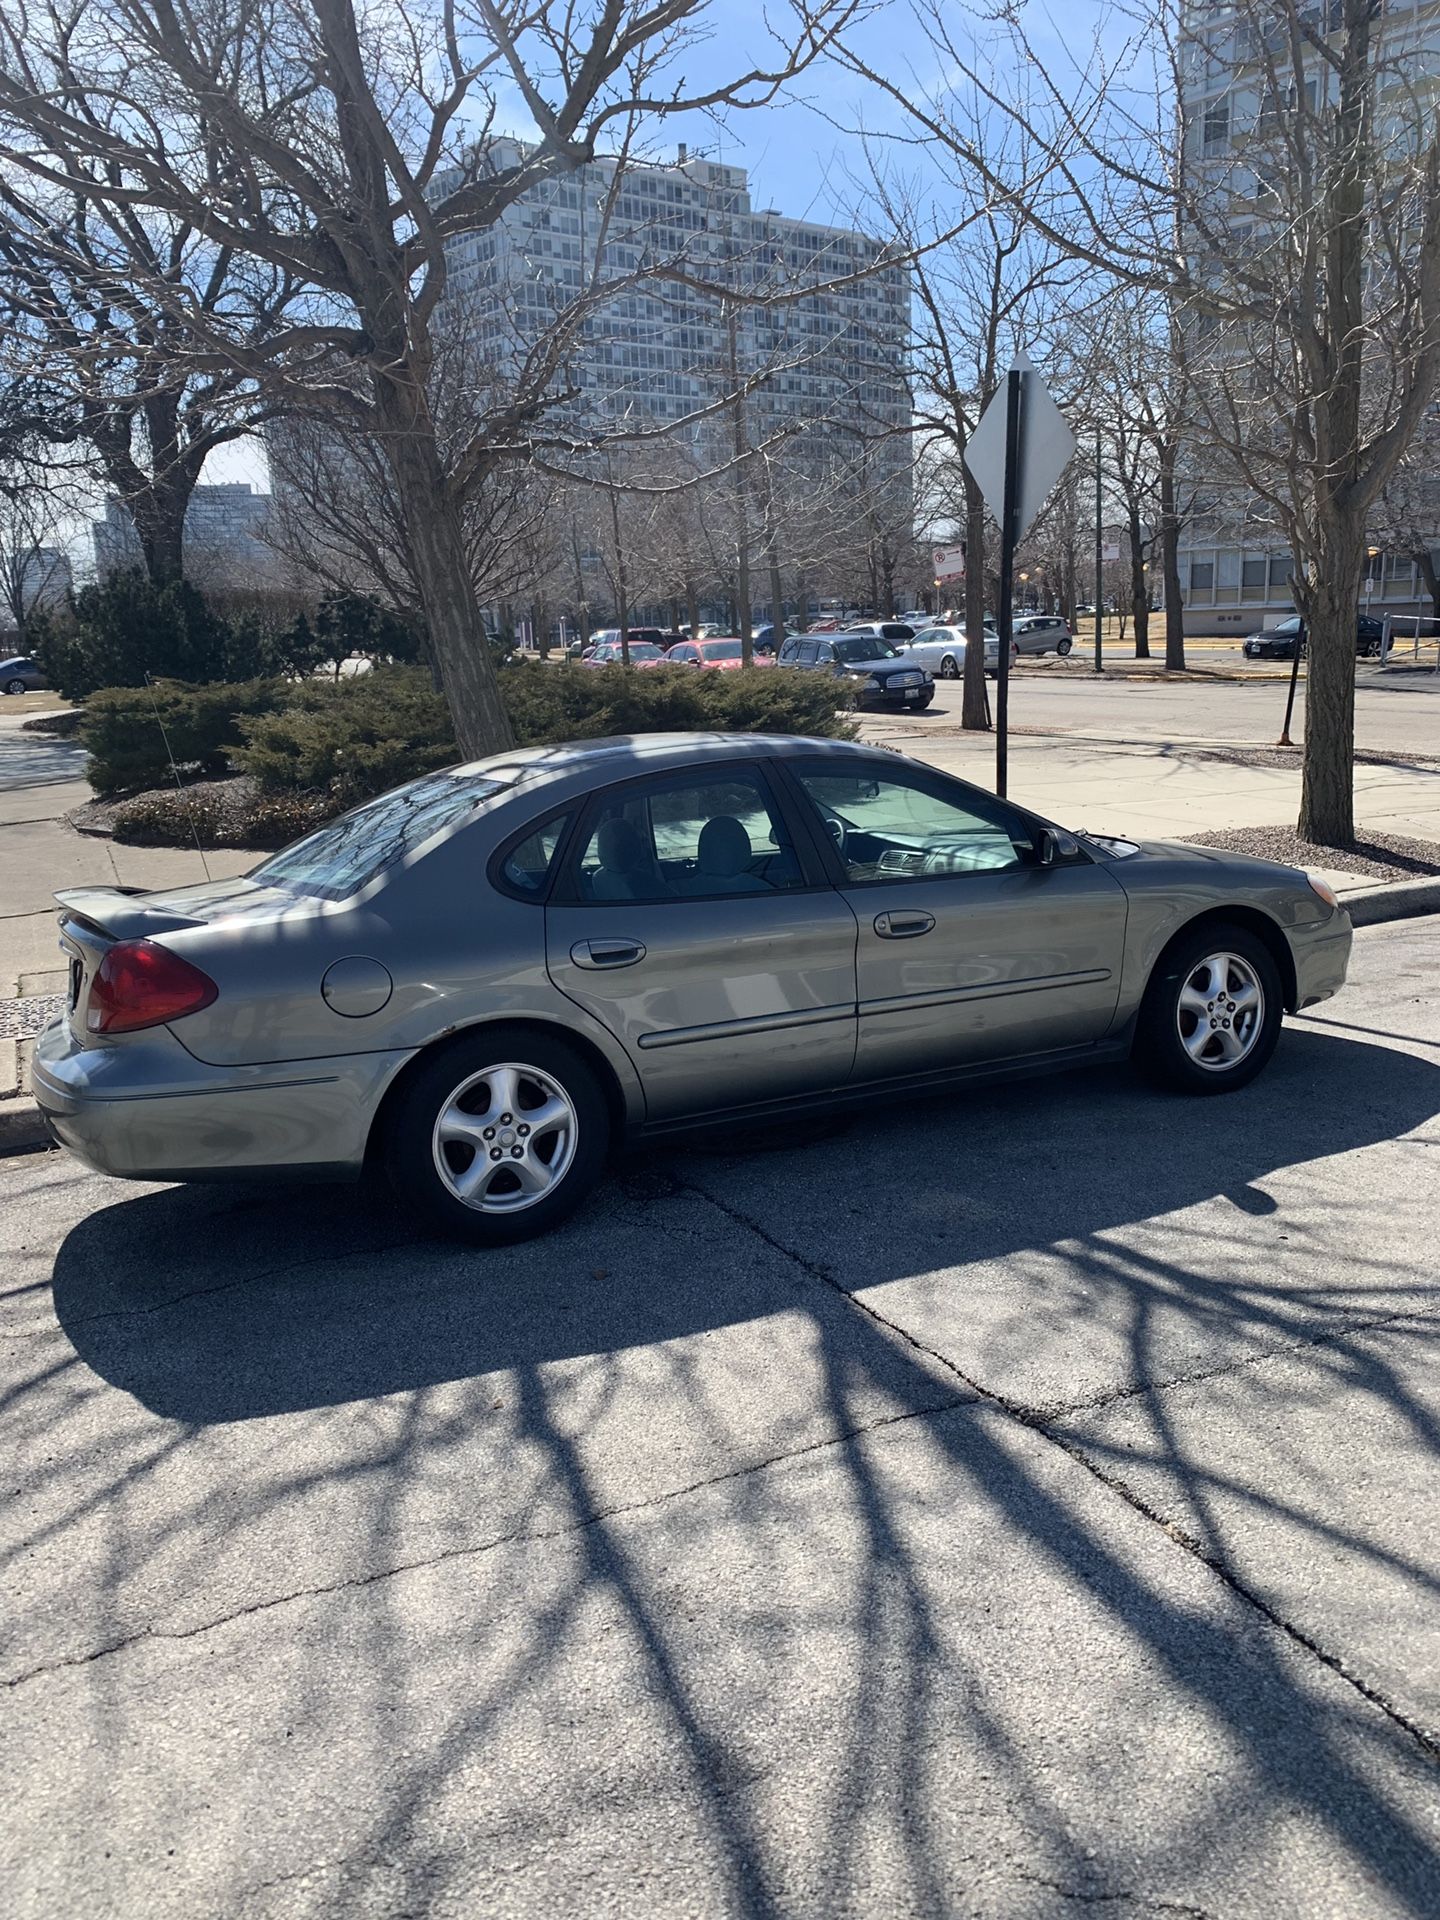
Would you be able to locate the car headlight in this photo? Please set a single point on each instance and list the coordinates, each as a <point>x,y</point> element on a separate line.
<point>928,677</point>
<point>875,686</point>
<point>1323,889</point>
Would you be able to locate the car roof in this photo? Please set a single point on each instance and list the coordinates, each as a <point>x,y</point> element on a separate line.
<point>583,763</point>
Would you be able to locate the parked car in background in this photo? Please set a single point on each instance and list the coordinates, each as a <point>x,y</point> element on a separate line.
<point>1279,642</point>
<point>941,650</point>
<point>482,980</point>
<point>1037,633</point>
<point>20,674</point>
<point>643,653</point>
<point>767,640</point>
<point>726,655</point>
<point>879,672</point>
<point>897,632</point>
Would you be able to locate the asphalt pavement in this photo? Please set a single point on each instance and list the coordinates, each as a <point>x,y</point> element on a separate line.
<point>1007,1505</point>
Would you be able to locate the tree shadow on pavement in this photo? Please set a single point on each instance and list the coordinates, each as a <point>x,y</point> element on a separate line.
<point>789,1427</point>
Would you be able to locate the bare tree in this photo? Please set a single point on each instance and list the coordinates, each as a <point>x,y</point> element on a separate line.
<point>1273,169</point>
<point>348,154</point>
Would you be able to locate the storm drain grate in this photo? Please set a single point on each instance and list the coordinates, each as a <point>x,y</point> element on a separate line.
<point>22,1019</point>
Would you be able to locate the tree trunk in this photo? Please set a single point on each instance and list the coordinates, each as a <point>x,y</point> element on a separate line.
<point>1425,561</point>
<point>692,609</point>
<point>1170,562</point>
<point>622,593</point>
<point>442,573</point>
<point>974,702</point>
<point>777,598</point>
<point>1139,598</point>
<point>1329,601</point>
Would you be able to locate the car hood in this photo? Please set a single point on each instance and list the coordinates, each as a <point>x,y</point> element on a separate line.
<point>1128,853</point>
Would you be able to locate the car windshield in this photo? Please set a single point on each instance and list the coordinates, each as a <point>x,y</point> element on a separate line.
<point>721,650</point>
<point>1289,626</point>
<point>338,860</point>
<point>864,649</point>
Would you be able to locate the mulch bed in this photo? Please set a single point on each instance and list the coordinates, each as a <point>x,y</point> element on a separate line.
<point>1378,856</point>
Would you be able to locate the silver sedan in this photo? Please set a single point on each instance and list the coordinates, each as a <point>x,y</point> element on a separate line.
<point>483,980</point>
<point>942,651</point>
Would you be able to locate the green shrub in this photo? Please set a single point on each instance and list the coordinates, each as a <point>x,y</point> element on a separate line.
<point>133,733</point>
<point>349,738</point>
<point>584,703</point>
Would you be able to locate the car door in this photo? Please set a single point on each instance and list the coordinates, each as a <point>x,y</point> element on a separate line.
<point>969,949</point>
<point>712,946</point>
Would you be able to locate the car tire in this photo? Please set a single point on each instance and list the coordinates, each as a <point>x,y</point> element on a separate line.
<point>491,1079</point>
<point>949,669</point>
<point>15,686</point>
<point>1062,647</point>
<point>1174,1047</point>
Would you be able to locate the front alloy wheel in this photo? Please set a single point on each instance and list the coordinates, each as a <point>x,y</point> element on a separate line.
<point>948,668</point>
<point>1211,1015</point>
<point>1220,1012</point>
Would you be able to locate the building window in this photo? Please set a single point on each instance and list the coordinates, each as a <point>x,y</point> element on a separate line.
<point>1202,576</point>
<point>1216,128</point>
<point>1252,578</point>
<point>1282,567</point>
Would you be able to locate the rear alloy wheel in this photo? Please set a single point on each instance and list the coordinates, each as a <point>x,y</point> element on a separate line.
<point>499,1137</point>
<point>948,668</point>
<point>1212,1012</point>
<point>15,686</point>
<point>1062,647</point>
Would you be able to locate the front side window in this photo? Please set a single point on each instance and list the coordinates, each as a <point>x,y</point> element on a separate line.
<point>894,828</point>
<point>687,840</point>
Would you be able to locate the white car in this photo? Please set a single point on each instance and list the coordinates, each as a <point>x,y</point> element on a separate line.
<point>942,651</point>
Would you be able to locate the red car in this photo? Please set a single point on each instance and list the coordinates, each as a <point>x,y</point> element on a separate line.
<point>724,654</point>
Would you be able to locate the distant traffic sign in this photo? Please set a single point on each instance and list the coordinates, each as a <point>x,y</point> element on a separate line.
<point>1046,448</point>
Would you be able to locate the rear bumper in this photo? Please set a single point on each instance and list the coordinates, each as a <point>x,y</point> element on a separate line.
<point>149,1111</point>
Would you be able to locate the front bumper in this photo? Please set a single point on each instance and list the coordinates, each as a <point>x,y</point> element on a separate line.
<point>1322,958</point>
<point>148,1110</point>
<point>902,698</point>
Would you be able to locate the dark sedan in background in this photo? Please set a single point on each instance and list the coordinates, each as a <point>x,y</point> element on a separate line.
<point>880,674</point>
<point>1278,642</point>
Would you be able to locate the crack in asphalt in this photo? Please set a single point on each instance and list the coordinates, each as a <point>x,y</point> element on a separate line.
<point>1038,1422</point>
<point>473,1550</point>
<point>1324,1337</point>
<point>1101,1896</point>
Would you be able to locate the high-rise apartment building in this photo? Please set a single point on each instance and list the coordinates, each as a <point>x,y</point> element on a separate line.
<point>705,289</point>
<point>1244,114</point>
<point>224,537</point>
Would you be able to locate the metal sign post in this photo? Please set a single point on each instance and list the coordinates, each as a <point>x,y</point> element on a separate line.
<point>1015,455</point>
<point>1004,613</point>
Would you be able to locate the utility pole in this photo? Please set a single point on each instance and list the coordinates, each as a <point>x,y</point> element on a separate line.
<point>1099,551</point>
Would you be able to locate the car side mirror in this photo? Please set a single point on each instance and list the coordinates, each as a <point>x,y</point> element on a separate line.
<point>1055,845</point>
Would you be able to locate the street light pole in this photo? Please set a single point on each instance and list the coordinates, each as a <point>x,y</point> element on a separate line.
<point>1014,404</point>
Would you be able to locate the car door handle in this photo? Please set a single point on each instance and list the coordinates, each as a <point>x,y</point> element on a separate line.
<point>903,926</point>
<point>606,953</point>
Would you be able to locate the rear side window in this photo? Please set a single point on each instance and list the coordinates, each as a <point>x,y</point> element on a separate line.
<point>336,861</point>
<point>526,866</point>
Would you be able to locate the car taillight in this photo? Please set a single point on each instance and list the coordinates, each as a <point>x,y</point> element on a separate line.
<point>139,984</point>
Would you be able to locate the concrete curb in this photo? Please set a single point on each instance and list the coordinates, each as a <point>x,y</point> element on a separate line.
<point>1393,900</point>
<point>21,1127</point>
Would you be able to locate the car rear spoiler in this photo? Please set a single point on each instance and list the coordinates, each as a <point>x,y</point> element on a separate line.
<point>120,913</point>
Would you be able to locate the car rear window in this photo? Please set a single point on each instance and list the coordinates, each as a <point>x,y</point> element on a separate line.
<point>336,861</point>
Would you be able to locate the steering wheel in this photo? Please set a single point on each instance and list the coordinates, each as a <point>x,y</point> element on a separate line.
<point>835,827</point>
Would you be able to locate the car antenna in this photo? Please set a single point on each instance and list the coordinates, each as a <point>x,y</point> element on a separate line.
<point>175,771</point>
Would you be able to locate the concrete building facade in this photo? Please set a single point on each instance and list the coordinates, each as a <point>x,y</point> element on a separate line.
<point>1235,568</point>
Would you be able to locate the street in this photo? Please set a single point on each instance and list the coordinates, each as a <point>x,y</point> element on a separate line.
<point>1001,1505</point>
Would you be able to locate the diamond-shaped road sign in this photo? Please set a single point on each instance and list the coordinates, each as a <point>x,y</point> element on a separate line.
<point>1046,446</point>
